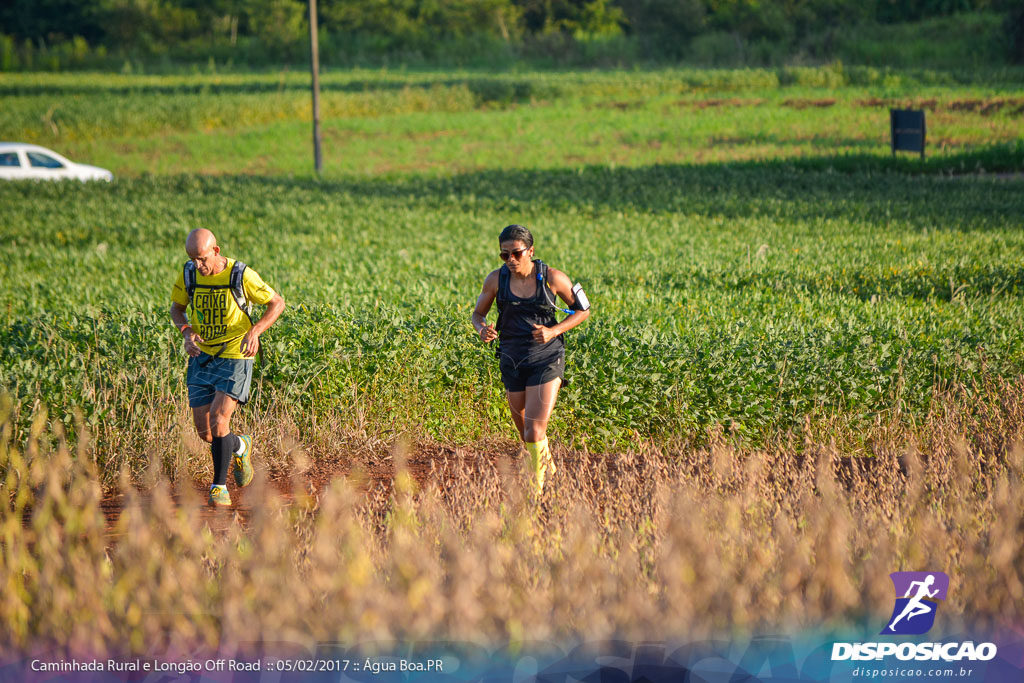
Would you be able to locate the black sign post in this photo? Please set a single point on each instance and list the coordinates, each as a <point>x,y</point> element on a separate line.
<point>907,130</point>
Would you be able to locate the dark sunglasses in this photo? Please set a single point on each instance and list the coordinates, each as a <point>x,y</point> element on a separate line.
<point>506,255</point>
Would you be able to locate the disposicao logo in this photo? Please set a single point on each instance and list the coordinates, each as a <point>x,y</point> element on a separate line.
<point>917,596</point>
<point>917,600</point>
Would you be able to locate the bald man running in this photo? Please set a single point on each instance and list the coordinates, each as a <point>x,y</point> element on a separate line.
<point>221,343</point>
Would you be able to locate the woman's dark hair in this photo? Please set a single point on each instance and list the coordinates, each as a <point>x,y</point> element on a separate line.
<point>516,232</point>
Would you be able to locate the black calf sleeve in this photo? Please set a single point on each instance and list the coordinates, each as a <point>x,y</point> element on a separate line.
<point>221,452</point>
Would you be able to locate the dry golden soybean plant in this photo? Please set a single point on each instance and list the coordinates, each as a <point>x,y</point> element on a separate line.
<point>654,542</point>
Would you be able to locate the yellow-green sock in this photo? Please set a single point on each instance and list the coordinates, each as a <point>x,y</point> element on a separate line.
<point>537,460</point>
<point>549,461</point>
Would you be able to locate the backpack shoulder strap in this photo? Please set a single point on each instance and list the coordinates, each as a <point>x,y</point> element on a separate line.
<point>503,295</point>
<point>238,288</point>
<point>503,284</point>
<point>237,273</point>
<point>542,282</point>
<point>189,272</point>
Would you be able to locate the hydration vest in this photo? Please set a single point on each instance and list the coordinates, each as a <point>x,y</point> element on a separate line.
<point>234,285</point>
<point>539,309</point>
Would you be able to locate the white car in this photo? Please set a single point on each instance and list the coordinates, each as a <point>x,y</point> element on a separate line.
<point>31,162</point>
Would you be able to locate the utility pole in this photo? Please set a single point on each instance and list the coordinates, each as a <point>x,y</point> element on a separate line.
<point>314,50</point>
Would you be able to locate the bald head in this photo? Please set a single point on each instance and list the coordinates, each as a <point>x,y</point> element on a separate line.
<point>202,249</point>
<point>199,241</point>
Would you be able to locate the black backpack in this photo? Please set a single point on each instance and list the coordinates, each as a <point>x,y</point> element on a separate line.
<point>544,301</point>
<point>234,284</point>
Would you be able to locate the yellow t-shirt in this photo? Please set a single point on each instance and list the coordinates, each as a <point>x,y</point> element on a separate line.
<point>215,316</point>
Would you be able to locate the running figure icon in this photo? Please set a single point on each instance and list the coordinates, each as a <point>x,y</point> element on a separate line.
<point>916,607</point>
<point>918,595</point>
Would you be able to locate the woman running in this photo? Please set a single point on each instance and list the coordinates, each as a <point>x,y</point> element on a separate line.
<point>530,347</point>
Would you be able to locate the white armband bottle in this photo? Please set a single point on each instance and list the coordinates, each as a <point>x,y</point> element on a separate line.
<point>581,301</point>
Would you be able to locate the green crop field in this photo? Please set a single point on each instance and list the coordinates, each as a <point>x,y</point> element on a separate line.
<point>757,261</point>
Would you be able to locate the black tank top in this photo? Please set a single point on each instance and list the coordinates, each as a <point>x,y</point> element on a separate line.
<point>517,316</point>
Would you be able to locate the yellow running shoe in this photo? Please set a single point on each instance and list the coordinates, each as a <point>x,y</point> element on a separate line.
<point>219,496</point>
<point>243,463</point>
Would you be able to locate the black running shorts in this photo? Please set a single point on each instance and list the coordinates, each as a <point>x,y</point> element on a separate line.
<point>516,375</point>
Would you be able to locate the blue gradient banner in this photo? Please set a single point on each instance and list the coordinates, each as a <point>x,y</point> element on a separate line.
<point>769,658</point>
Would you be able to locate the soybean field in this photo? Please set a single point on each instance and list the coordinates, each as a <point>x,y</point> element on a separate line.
<point>758,262</point>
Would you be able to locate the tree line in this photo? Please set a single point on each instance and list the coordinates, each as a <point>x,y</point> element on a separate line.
<point>655,28</point>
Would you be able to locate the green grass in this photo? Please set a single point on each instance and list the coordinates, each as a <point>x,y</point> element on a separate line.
<point>756,259</point>
<point>667,129</point>
<point>435,123</point>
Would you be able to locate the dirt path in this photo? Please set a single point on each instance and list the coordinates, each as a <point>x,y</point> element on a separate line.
<point>375,476</point>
